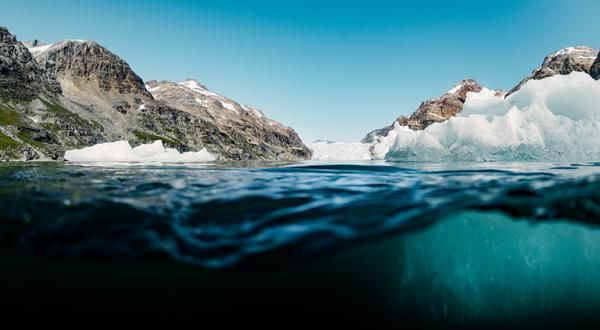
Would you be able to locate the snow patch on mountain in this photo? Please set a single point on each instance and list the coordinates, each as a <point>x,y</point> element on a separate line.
<point>197,87</point>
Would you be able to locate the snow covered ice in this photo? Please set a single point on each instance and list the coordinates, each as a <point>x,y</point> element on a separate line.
<point>553,119</point>
<point>340,151</point>
<point>121,151</point>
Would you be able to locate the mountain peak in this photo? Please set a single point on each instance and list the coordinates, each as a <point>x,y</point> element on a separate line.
<point>6,36</point>
<point>193,84</point>
<point>573,51</point>
<point>22,78</point>
<point>564,61</point>
<point>33,43</point>
<point>89,62</point>
<point>441,108</point>
<point>464,86</point>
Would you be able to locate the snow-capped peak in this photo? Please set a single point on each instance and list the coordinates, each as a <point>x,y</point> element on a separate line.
<point>578,51</point>
<point>195,86</point>
<point>454,89</point>
<point>40,48</point>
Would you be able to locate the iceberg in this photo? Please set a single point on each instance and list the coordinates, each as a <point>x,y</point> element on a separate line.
<point>552,119</point>
<point>121,151</point>
<point>340,151</point>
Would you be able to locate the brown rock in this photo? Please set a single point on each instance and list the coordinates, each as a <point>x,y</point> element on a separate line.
<point>432,111</point>
<point>565,61</point>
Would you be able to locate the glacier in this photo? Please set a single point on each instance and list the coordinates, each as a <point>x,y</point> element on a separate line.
<point>552,119</point>
<point>121,151</point>
<point>339,151</point>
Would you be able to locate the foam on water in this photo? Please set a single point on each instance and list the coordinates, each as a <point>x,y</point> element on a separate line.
<point>121,151</point>
<point>553,119</point>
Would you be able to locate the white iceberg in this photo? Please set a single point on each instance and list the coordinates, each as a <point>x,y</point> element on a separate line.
<point>553,119</point>
<point>340,151</point>
<point>121,151</point>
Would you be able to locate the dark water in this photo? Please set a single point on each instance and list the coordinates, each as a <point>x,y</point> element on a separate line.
<point>221,216</point>
<point>469,244</point>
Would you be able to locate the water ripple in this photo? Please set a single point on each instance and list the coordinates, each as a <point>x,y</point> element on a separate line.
<point>235,216</point>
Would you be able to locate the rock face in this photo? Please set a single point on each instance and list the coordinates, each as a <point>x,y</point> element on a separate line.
<point>84,62</point>
<point>441,108</point>
<point>432,111</point>
<point>565,61</point>
<point>595,69</point>
<point>34,120</point>
<point>240,131</point>
<point>21,78</point>
<point>98,84</point>
<point>372,136</point>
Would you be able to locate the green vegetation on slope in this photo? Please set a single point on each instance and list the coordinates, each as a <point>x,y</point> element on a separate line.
<point>68,115</point>
<point>149,137</point>
<point>8,147</point>
<point>9,117</point>
<point>6,142</point>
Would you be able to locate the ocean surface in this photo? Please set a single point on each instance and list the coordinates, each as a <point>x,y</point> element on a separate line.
<point>468,243</point>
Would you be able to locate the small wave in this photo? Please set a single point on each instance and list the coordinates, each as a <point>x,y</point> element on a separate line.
<point>229,217</point>
<point>342,168</point>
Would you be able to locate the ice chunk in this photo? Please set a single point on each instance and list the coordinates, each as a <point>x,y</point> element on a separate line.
<point>121,151</point>
<point>340,151</point>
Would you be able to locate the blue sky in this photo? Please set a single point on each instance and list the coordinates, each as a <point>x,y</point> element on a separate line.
<point>330,69</point>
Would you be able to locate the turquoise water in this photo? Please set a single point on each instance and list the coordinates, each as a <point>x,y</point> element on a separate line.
<point>487,268</point>
<point>390,243</point>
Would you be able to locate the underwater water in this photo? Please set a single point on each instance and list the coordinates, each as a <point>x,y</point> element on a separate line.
<point>459,244</point>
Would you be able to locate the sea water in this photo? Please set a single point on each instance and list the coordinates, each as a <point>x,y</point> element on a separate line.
<point>453,243</point>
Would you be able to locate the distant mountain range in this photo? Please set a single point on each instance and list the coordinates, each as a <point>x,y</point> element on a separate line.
<point>440,109</point>
<point>76,93</point>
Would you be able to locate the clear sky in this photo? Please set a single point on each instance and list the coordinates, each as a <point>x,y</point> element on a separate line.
<point>330,69</point>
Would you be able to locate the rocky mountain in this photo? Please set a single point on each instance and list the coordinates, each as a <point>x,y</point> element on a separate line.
<point>34,123</point>
<point>77,93</point>
<point>595,69</point>
<point>94,77</point>
<point>21,78</point>
<point>565,61</point>
<point>247,130</point>
<point>436,110</point>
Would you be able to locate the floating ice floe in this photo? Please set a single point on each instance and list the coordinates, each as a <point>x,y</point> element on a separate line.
<point>121,151</point>
<point>553,119</point>
<point>340,151</point>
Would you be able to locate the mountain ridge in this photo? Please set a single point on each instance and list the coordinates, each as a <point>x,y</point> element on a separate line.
<point>100,92</point>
